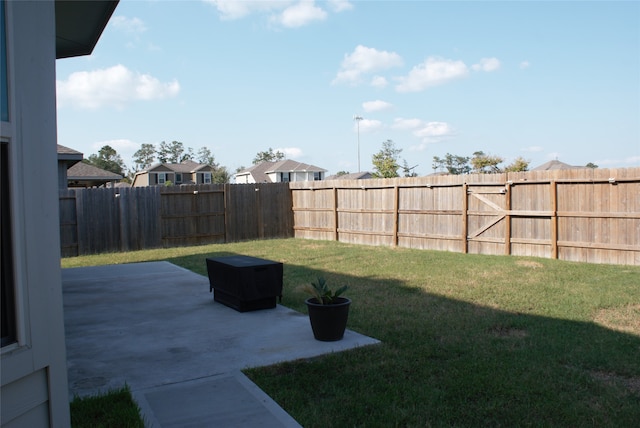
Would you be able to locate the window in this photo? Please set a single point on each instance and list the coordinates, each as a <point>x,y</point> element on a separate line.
<point>178,177</point>
<point>8,310</point>
<point>285,177</point>
<point>206,177</point>
<point>162,177</point>
<point>317,176</point>
<point>8,324</point>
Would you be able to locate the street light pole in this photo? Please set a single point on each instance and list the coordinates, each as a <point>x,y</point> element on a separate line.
<point>358,119</point>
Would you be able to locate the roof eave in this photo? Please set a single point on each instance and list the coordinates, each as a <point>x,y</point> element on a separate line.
<point>79,25</point>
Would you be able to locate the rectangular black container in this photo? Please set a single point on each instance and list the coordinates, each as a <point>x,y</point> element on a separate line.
<point>245,283</point>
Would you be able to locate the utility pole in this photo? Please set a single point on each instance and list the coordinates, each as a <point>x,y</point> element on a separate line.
<point>358,119</point>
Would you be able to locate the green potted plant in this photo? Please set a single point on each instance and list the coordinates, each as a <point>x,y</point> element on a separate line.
<point>328,312</point>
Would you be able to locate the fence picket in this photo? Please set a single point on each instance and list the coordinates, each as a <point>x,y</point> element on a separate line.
<point>579,215</point>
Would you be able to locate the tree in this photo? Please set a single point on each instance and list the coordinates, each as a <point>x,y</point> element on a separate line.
<point>591,165</point>
<point>485,164</point>
<point>221,175</point>
<point>206,157</point>
<point>518,165</point>
<point>144,157</point>
<point>408,171</point>
<point>268,156</point>
<point>341,173</point>
<point>188,155</point>
<point>107,159</point>
<point>171,153</point>
<point>385,162</point>
<point>453,164</point>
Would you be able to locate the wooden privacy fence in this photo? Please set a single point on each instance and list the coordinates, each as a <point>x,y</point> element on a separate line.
<point>123,219</point>
<point>588,215</point>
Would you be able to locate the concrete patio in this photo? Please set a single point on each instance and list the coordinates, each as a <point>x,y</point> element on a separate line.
<point>156,327</point>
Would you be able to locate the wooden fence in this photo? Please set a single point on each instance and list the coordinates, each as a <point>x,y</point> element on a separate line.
<point>124,219</point>
<point>587,215</point>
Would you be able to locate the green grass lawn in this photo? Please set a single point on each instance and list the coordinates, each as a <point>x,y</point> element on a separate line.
<point>114,409</point>
<point>467,340</point>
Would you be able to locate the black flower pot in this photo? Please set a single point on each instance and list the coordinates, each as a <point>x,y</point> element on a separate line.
<point>328,322</point>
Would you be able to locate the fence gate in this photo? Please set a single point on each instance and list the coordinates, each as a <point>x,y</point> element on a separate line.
<point>486,219</point>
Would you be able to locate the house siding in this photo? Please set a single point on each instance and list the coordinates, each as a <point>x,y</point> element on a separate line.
<point>33,379</point>
<point>150,178</point>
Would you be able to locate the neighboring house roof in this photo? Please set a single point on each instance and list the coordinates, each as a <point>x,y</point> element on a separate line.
<point>66,159</point>
<point>67,154</point>
<point>555,164</point>
<point>79,25</point>
<point>289,165</point>
<point>351,176</point>
<point>260,171</point>
<point>186,166</point>
<point>89,175</point>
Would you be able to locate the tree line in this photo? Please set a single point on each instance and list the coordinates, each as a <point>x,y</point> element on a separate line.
<point>387,163</point>
<point>109,159</point>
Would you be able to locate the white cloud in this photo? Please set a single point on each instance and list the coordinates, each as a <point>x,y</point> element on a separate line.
<point>377,105</point>
<point>367,125</point>
<point>291,152</point>
<point>428,132</point>
<point>487,64</point>
<point>525,64</point>
<point>114,86</point>
<point>287,13</point>
<point>434,71</point>
<point>340,5</point>
<point>301,14</point>
<point>533,149</point>
<point>128,25</point>
<point>234,9</point>
<point>379,82</point>
<point>432,132</point>
<point>407,124</point>
<point>631,160</point>
<point>365,60</point>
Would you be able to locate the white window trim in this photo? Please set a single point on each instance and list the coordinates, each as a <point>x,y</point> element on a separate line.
<point>8,135</point>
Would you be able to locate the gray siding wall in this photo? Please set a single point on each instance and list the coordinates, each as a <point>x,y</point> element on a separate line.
<point>34,377</point>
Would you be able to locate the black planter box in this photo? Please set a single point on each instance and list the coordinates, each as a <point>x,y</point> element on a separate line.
<point>245,283</point>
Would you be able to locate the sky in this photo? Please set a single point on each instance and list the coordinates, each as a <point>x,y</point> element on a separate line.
<point>538,80</point>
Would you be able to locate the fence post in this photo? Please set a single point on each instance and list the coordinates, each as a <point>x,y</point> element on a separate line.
<point>465,218</point>
<point>335,214</point>
<point>225,199</point>
<point>123,220</point>
<point>396,215</point>
<point>259,211</point>
<point>554,218</point>
<point>507,219</point>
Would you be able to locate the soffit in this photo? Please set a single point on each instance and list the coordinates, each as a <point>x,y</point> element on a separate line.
<point>79,24</point>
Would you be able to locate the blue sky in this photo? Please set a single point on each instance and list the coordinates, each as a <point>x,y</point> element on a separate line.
<point>540,80</point>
